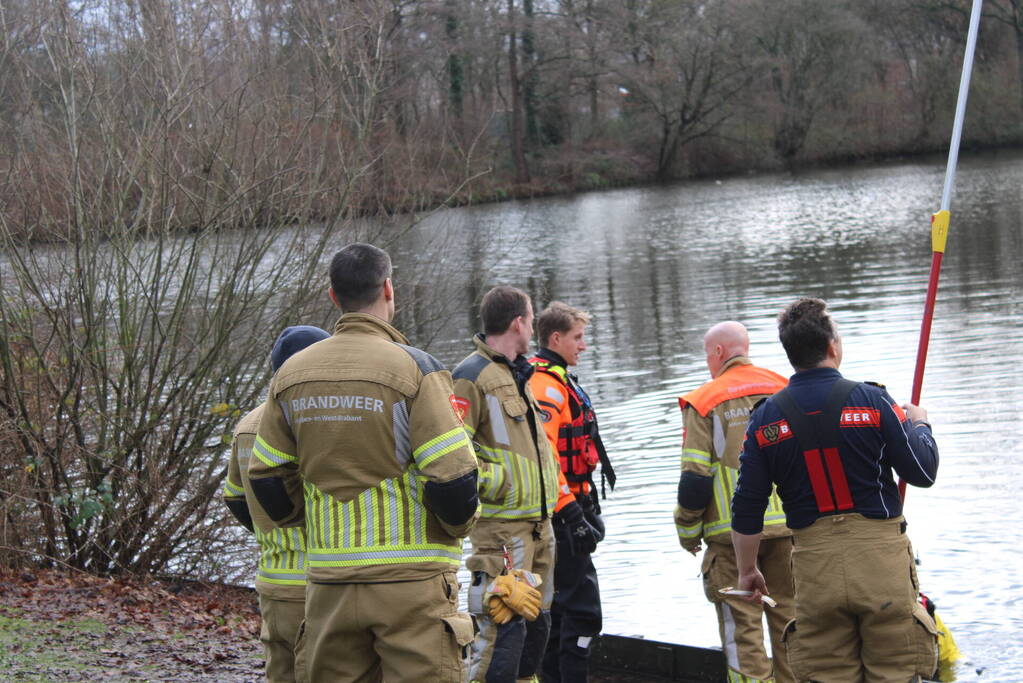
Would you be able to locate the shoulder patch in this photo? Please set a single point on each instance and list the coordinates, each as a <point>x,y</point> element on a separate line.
<point>425,361</point>
<point>876,384</point>
<point>770,434</point>
<point>471,367</point>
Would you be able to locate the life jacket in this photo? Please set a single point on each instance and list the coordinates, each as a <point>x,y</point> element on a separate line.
<point>580,449</point>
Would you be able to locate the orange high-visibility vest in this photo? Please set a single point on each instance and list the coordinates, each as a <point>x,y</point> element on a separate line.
<point>737,381</point>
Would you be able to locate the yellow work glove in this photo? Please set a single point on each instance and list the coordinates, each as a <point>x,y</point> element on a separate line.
<point>514,593</point>
<point>499,612</point>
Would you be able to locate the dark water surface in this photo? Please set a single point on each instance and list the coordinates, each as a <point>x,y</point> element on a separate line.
<point>657,266</point>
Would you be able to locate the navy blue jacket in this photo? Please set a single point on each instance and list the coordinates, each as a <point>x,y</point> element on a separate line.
<point>875,437</point>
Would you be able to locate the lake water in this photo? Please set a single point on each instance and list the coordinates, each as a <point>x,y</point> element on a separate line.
<point>657,266</point>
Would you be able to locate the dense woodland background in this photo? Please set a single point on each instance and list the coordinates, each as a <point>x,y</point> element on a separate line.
<point>427,101</point>
<point>176,151</point>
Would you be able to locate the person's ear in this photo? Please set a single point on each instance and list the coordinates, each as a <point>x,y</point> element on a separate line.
<point>333,297</point>
<point>388,290</point>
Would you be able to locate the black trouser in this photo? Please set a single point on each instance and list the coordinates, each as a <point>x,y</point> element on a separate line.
<point>575,614</point>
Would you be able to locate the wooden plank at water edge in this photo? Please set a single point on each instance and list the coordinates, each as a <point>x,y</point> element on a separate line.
<point>620,658</point>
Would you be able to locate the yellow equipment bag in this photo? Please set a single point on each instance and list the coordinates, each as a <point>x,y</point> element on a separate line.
<point>948,651</point>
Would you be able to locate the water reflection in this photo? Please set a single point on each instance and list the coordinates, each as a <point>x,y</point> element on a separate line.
<point>657,266</point>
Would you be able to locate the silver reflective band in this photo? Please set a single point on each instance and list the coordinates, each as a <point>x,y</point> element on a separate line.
<point>453,439</point>
<point>265,574</point>
<point>265,454</point>
<point>453,554</point>
<point>497,423</point>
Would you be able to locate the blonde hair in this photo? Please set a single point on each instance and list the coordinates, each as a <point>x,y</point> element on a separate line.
<point>558,317</point>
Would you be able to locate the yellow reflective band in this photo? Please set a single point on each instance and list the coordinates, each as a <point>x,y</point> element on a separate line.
<point>693,455</point>
<point>440,446</point>
<point>281,577</point>
<point>385,554</point>
<point>688,532</point>
<point>696,461</point>
<point>717,528</point>
<point>232,491</point>
<point>271,456</point>
<point>282,582</point>
<point>736,677</point>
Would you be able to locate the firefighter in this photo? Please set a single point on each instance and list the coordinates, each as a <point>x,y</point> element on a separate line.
<point>518,485</point>
<point>280,579</point>
<point>363,427</point>
<point>571,427</point>
<point>830,446</point>
<point>714,418</point>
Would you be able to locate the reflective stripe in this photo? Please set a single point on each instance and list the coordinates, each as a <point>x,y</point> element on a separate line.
<point>399,423</point>
<point>717,528</point>
<point>282,555</point>
<point>430,552</point>
<point>555,395</point>
<point>270,455</point>
<point>731,648</point>
<point>688,532</point>
<point>719,436</point>
<point>441,445</point>
<point>286,411</point>
<point>694,456</point>
<point>233,491</point>
<point>281,577</point>
<point>497,423</point>
<point>501,512</point>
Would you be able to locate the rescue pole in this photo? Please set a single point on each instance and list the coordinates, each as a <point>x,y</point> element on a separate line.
<point>940,220</point>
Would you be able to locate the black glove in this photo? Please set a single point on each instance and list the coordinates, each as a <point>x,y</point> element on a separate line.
<point>593,517</point>
<point>573,523</point>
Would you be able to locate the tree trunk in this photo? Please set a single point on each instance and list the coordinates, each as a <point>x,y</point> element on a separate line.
<point>591,48</point>
<point>530,79</point>
<point>455,71</point>
<point>518,143</point>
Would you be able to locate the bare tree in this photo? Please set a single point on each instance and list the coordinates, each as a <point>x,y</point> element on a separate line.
<point>678,63</point>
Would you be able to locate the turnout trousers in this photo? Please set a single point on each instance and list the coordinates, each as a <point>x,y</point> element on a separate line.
<point>279,633</point>
<point>576,618</point>
<point>406,631</point>
<point>858,617</point>
<point>741,623</point>
<point>509,652</point>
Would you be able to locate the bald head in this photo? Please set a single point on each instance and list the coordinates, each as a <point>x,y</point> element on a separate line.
<point>725,341</point>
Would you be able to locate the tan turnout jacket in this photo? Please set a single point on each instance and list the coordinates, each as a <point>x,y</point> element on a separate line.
<point>518,471</point>
<point>281,573</point>
<point>362,420</point>
<point>711,446</point>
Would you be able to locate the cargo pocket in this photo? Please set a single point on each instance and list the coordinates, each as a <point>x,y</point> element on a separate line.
<point>793,653</point>
<point>515,408</point>
<point>459,632</point>
<point>925,642</point>
<point>707,572</point>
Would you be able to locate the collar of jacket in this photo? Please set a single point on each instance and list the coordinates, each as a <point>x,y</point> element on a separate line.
<point>814,375</point>
<point>733,362</point>
<point>552,357</point>
<point>520,368</point>
<point>364,323</point>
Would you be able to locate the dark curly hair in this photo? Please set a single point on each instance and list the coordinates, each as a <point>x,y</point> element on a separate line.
<point>805,330</point>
